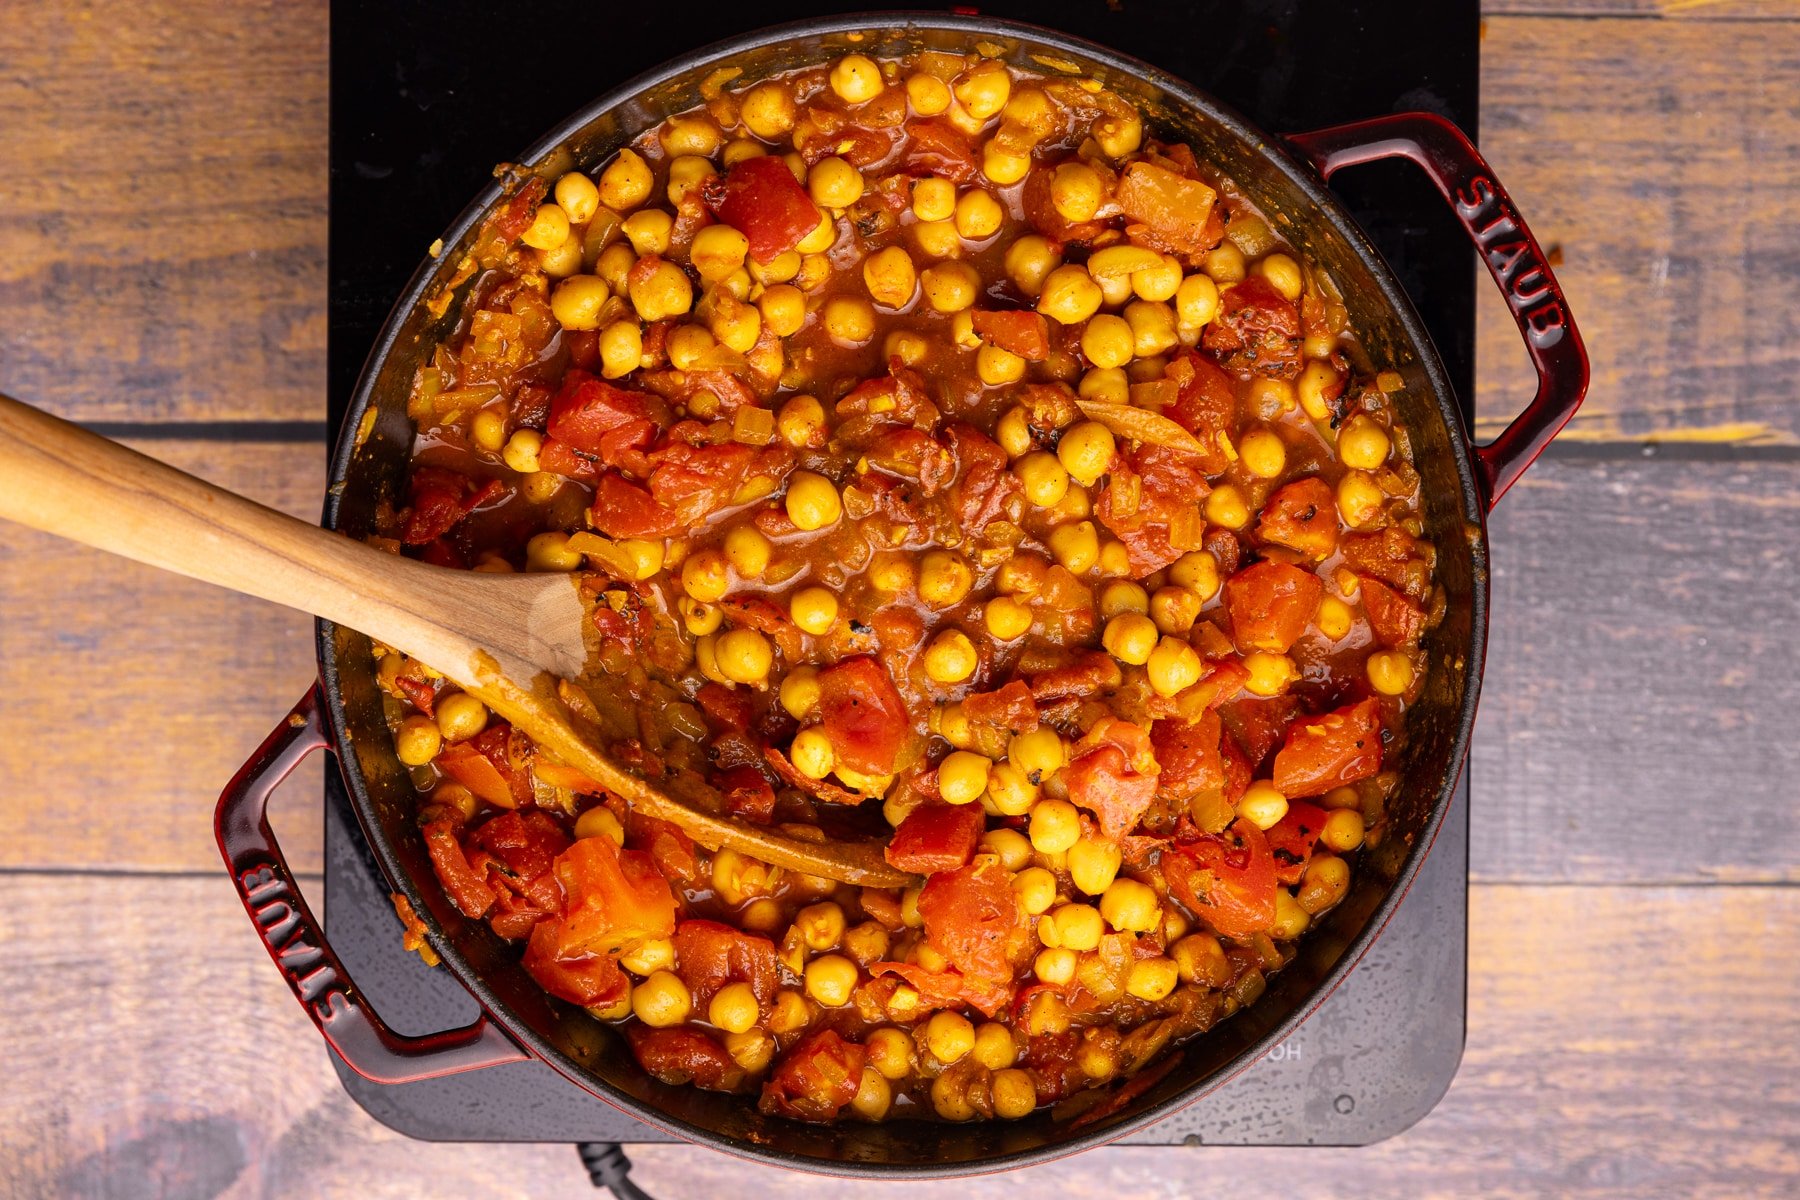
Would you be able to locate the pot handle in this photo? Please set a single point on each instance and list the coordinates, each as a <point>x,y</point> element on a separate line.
<point>296,941</point>
<point>1512,256</point>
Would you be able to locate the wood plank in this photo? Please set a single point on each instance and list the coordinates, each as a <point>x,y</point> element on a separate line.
<point>1578,1081</point>
<point>1676,10</point>
<point>162,208</point>
<point>1667,168</point>
<point>1642,675</point>
<point>129,697</point>
<point>1610,713</point>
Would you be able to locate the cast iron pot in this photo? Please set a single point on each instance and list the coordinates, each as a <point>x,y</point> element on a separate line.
<point>1286,178</point>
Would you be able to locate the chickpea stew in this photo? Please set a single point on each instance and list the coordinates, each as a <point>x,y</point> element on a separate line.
<point>949,462</point>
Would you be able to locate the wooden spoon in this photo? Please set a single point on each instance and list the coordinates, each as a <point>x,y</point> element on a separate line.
<point>505,639</point>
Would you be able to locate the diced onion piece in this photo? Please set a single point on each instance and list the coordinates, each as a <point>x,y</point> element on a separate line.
<point>1127,420</point>
<point>753,426</point>
<point>1187,528</point>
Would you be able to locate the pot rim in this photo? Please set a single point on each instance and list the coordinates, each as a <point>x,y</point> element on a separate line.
<point>1301,175</point>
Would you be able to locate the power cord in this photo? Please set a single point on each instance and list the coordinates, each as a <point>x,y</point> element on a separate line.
<point>608,1167</point>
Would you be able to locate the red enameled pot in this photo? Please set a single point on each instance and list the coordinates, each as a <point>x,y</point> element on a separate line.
<point>1286,177</point>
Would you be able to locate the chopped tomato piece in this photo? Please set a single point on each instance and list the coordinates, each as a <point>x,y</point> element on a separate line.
<point>973,918</point>
<point>590,980</point>
<point>1113,775</point>
<point>616,898</point>
<point>1176,208</point>
<point>1329,751</point>
<point>1188,753</point>
<point>624,510</point>
<point>1024,333</point>
<point>1092,672</point>
<point>762,200</point>
<point>949,989</point>
<point>477,772</point>
<point>1009,708</point>
<point>1392,556</point>
<point>938,148</point>
<point>685,1055</point>
<point>440,500</point>
<point>1205,404</point>
<point>817,1078</point>
<point>1302,516</point>
<point>936,837</point>
<point>1395,619</point>
<point>863,716</point>
<point>526,844</point>
<point>1257,330</point>
<point>1291,839</point>
<point>726,707</point>
<point>1271,604</point>
<point>560,458</point>
<point>985,490</point>
<point>1258,723</point>
<point>593,416</point>
<point>1226,880</point>
<point>419,692</point>
<point>709,955</point>
<point>747,794</point>
<point>462,883</point>
<point>667,844</point>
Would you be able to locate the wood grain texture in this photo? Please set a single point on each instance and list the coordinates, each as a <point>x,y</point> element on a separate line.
<point>162,208</point>
<point>1663,157</point>
<point>131,695</point>
<point>1673,10</point>
<point>155,1052</point>
<point>1642,675</point>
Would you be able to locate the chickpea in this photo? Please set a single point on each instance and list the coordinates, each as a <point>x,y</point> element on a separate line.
<point>813,501</point>
<point>1225,506</point>
<point>1390,672</point>
<point>649,231</point>
<point>418,741</point>
<point>830,979</point>
<point>1315,381</point>
<point>1343,830</point>
<point>1262,804</point>
<point>626,182</point>
<point>1076,546</point>
<point>748,551</point>
<point>1070,295</point>
<point>1174,609</point>
<point>866,943</point>
<point>801,421</point>
<point>1076,192</point>
<point>891,572</point>
<point>1197,571</point>
<point>1199,958</point>
<point>934,199</point>
<point>662,292</point>
<point>800,691</point>
<point>1153,329</point>
<point>1077,927</point>
<point>1029,261</point>
<point>1159,284</point>
<point>951,287</point>
<point>1130,637</point>
<point>997,367</point>
<point>890,1052</point>
<point>1263,453</point>
<point>577,300</point>
<point>1325,882</point>
<point>744,656</point>
<point>1036,889</point>
<point>833,183</point>
<point>717,251</point>
<point>1055,826</point>
<point>1290,919</point>
<point>1010,791</point>
<point>873,1096</point>
<point>1006,619</point>
<point>1196,301</point>
<point>705,575</point>
<point>928,95</point>
<point>649,956</point>
<point>1173,667</point>
<point>1055,965</point>
<point>1093,865</point>
<point>1001,167</point>
<point>994,1047</point>
<point>1045,479</point>
<point>1014,1093</point>
<point>1283,273</point>
<point>1334,618</point>
<point>460,716</point>
<point>1106,341</point>
<point>814,610</point>
<point>812,754</point>
<point>767,110</point>
<point>1038,753</point>
<point>540,487</point>
<point>549,228</point>
<point>599,821</point>
<point>1225,263</point>
<point>1086,449</point>
<point>550,551</point>
<point>856,78</point>
<point>890,277</point>
<point>621,349</point>
<point>1011,847</point>
<point>734,1008</point>
<point>488,430</point>
<point>951,657</point>
<point>944,578</point>
<point>661,1000</point>
<point>1152,978</point>
<point>1270,673</point>
<point>700,618</point>
<point>949,1036</point>
<point>560,262</point>
<point>1362,443</point>
<point>1119,135</point>
<point>791,1012</point>
<point>691,135</point>
<point>1122,596</point>
<point>1359,499</point>
<point>978,215</point>
<point>962,776</point>
<point>577,196</point>
<point>1270,398</point>
<point>983,89</point>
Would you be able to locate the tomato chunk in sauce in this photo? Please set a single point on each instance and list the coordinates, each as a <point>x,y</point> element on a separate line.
<point>998,486</point>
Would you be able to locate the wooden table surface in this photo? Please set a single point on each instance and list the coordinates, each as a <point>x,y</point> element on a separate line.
<point>1634,998</point>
